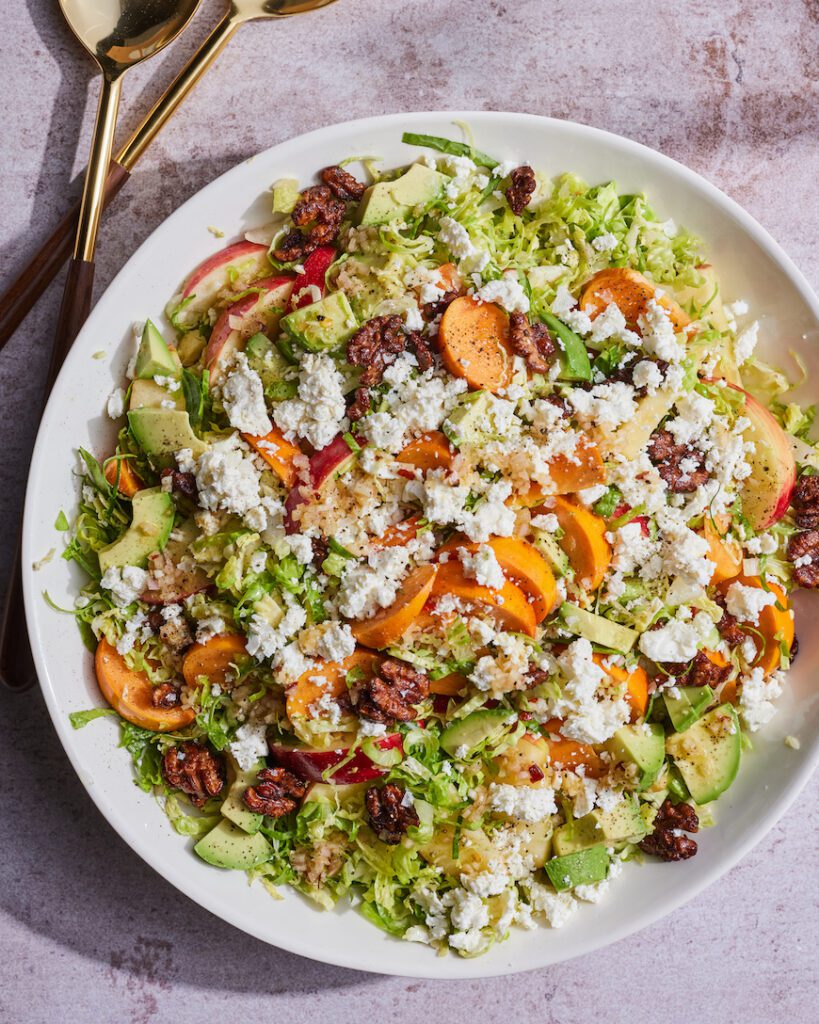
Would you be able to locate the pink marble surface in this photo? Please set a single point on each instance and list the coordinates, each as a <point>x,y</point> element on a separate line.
<point>88,933</point>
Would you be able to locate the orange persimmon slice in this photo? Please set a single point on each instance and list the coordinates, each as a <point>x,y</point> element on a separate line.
<point>128,483</point>
<point>583,540</point>
<point>474,342</point>
<point>630,291</point>
<point>775,624</point>
<point>389,624</point>
<point>429,451</point>
<point>129,693</point>
<point>214,659</point>
<point>725,554</point>
<point>509,606</point>
<point>309,688</point>
<point>278,453</point>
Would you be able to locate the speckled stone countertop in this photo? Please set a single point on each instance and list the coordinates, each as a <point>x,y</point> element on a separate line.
<point>89,933</point>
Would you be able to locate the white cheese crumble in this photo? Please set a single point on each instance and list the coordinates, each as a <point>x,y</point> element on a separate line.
<point>524,803</point>
<point>746,343</point>
<point>336,642</point>
<point>125,583</point>
<point>227,478</point>
<point>116,403</point>
<point>243,399</point>
<point>318,413</point>
<point>658,333</point>
<point>757,696</point>
<point>745,603</point>
<point>264,640</point>
<point>482,566</point>
<point>507,292</point>
<point>249,744</point>
<point>590,714</point>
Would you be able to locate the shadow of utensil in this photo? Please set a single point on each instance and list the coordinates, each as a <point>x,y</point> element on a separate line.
<point>65,874</point>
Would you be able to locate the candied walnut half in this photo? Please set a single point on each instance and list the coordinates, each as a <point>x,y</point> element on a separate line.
<point>390,812</point>
<point>532,342</point>
<point>804,549</point>
<point>680,465</point>
<point>522,184</point>
<point>342,184</point>
<point>431,310</point>
<point>165,695</point>
<point>805,502</point>
<point>374,346</point>
<point>668,841</point>
<point>194,770</point>
<point>728,627</point>
<point>277,792</point>
<point>389,697</point>
<point>319,215</point>
<point>704,672</point>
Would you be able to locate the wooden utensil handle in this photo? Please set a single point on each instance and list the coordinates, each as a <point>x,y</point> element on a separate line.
<point>17,670</point>
<point>32,281</point>
<point>76,305</point>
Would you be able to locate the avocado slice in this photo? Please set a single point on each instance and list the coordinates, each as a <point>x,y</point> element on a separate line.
<point>623,824</point>
<point>582,868</point>
<point>272,368</point>
<point>324,325</point>
<point>154,356</point>
<point>161,433</point>
<point>689,706</point>
<point>147,394</point>
<point>707,754</point>
<point>471,422</point>
<point>598,630</point>
<point>642,745</point>
<point>554,554</point>
<point>417,188</point>
<point>228,846</point>
<point>151,524</point>
<point>233,807</point>
<point>474,730</point>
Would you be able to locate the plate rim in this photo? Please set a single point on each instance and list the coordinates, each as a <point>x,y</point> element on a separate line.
<point>450,967</point>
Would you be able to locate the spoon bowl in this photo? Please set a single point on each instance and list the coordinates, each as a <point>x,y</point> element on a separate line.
<point>120,33</point>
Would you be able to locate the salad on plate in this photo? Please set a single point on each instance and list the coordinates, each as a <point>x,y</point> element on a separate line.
<point>443,562</point>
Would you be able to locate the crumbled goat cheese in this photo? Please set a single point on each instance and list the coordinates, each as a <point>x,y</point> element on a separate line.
<point>647,375</point>
<point>677,640</point>
<point>136,631</point>
<point>606,405</point>
<point>209,627</point>
<point>589,715</point>
<point>264,640</point>
<point>482,566</point>
<point>227,478</point>
<point>318,413</point>
<point>658,333</point>
<point>506,292</point>
<point>563,307</point>
<point>366,587</point>
<point>548,522</point>
<point>524,803</point>
<point>337,642</point>
<point>757,696</point>
<point>301,547</point>
<point>745,603</point>
<point>413,321</point>
<point>249,744</point>
<point>612,324</point>
<point>243,398</point>
<point>116,403</point>
<point>695,414</point>
<point>556,907</point>
<point>125,583</point>
<point>605,242</point>
<point>368,728</point>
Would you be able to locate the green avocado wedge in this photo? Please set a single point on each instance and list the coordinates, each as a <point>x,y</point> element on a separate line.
<point>707,754</point>
<point>151,525</point>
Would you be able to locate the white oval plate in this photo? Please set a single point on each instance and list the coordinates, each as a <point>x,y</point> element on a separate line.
<point>751,266</point>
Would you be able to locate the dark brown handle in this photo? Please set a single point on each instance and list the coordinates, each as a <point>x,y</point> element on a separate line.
<point>16,663</point>
<point>33,280</point>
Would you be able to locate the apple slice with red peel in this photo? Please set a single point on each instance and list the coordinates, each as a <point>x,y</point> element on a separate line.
<point>234,267</point>
<point>315,267</point>
<point>310,765</point>
<point>767,492</point>
<point>334,458</point>
<point>258,311</point>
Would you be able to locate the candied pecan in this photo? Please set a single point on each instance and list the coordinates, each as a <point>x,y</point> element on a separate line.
<point>668,456</point>
<point>375,345</point>
<point>165,695</point>
<point>703,672</point>
<point>194,770</point>
<point>667,840</point>
<point>390,696</point>
<point>342,184</point>
<point>431,310</point>
<point>522,184</point>
<point>531,341</point>
<point>805,502</point>
<point>361,404</point>
<point>181,483</point>
<point>277,792</point>
<point>317,205</point>
<point>389,814</point>
<point>805,545</point>
<point>730,630</point>
<point>294,246</point>
<point>420,346</point>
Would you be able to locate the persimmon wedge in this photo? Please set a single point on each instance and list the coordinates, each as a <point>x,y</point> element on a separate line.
<point>214,659</point>
<point>429,451</point>
<point>128,483</point>
<point>630,291</point>
<point>726,554</point>
<point>474,342</point>
<point>636,685</point>
<point>775,627</point>
<point>309,688</point>
<point>129,693</point>
<point>583,540</point>
<point>509,605</point>
<point>565,753</point>
<point>389,624</point>
<point>397,535</point>
<point>584,469</point>
<point>524,565</point>
<point>278,453</point>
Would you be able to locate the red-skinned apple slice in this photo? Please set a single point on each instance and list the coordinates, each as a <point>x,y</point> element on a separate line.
<point>315,267</point>
<point>767,492</point>
<point>249,315</point>
<point>311,765</point>
<point>236,266</point>
<point>331,460</point>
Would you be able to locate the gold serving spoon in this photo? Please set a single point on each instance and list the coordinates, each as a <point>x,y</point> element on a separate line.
<point>33,279</point>
<point>118,34</point>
